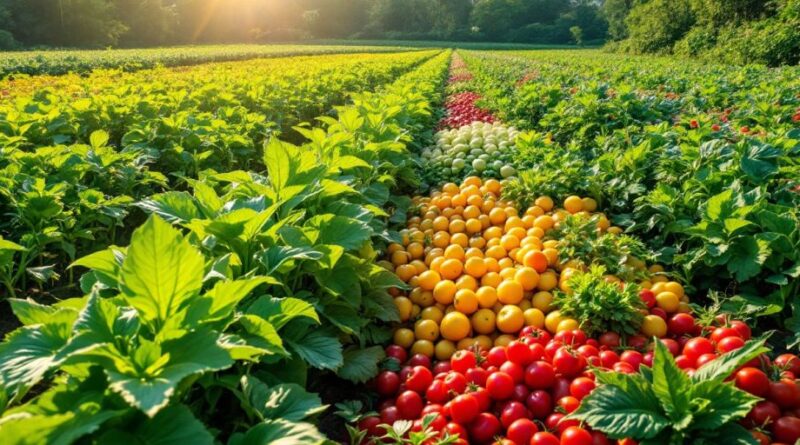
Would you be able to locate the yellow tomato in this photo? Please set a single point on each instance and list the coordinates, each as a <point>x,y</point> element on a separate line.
<point>487,296</point>
<point>483,321</point>
<point>510,292</point>
<point>404,337</point>
<point>534,317</point>
<point>653,325</point>
<point>503,340</point>
<point>432,313</point>
<point>567,324</point>
<point>444,292</point>
<point>403,305</point>
<point>424,347</point>
<point>455,326</point>
<point>466,301</point>
<point>668,301</point>
<point>444,349</point>
<point>510,319</point>
<point>552,320</point>
<point>426,330</point>
<point>543,301</point>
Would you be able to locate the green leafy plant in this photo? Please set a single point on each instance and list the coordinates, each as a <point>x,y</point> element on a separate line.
<point>664,405</point>
<point>601,305</point>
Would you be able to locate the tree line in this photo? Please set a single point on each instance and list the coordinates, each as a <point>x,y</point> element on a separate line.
<point>136,23</point>
<point>736,31</point>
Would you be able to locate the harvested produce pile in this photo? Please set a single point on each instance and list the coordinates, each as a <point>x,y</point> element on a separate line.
<point>508,336</point>
<point>476,149</point>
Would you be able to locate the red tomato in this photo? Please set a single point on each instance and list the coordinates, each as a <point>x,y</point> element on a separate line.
<point>633,358</point>
<point>370,425</point>
<point>484,427</point>
<point>568,362</point>
<point>610,339</point>
<point>463,360</point>
<point>397,352</point>
<point>497,356</point>
<point>705,358</point>
<point>419,379</point>
<point>454,429</point>
<point>719,333</point>
<point>455,382</point>
<point>608,358</point>
<point>624,368</point>
<point>764,413</point>
<point>648,297</point>
<point>786,430</point>
<point>742,328</point>
<point>696,347</point>
<point>637,341</point>
<point>390,415</point>
<point>729,344</point>
<point>521,393</point>
<point>464,408</point>
<point>681,324</point>
<point>672,345</point>
<point>753,380</point>
<point>581,387</point>
<point>788,362</point>
<point>784,393</point>
<point>441,368</point>
<point>387,383</point>
<point>484,400</point>
<point>500,385</point>
<point>519,353</point>
<point>576,435</point>
<point>568,404</point>
<point>409,405</point>
<point>515,370</point>
<point>544,438</point>
<point>762,438</point>
<point>512,411</point>
<point>477,376</point>
<point>599,438</point>
<point>540,404</point>
<point>684,362</point>
<point>540,375</point>
<point>420,360</point>
<point>560,387</point>
<point>437,392</point>
<point>521,431</point>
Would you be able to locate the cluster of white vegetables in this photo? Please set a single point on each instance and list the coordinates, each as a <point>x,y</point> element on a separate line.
<point>482,149</point>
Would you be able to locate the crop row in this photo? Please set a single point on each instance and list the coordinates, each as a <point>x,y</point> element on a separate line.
<point>86,61</point>
<point>699,161</point>
<point>230,294</point>
<point>80,154</point>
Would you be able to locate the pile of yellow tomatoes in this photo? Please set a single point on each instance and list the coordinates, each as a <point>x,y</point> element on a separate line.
<point>478,270</point>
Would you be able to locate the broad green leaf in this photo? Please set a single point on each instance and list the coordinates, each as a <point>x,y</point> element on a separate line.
<point>670,384</point>
<point>9,245</point>
<point>318,347</point>
<point>174,207</point>
<point>620,413</point>
<point>719,369</point>
<point>102,321</point>
<point>720,206</point>
<point>380,305</point>
<point>280,432</point>
<point>284,401</point>
<point>747,255</point>
<point>150,389</point>
<point>273,257</point>
<point>161,272</point>
<point>262,334</point>
<point>173,425</point>
<point>360,365</point>
<point>98,139</point>
<point>220,302</point>
<point>279,311</point>
<point>30,312</point>
<point>30,352</point>
<point>340,230</point>
<point>344,317</point>
<point>733,434</point>
<point>732,225</point>
<point>725,404</point>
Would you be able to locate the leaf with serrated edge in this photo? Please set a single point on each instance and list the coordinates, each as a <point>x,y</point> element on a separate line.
<point>670,384</point>
<point>724,365</point>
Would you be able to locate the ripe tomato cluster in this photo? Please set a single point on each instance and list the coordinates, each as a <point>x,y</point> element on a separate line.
<point>521,392</point>
<point>461,110</point>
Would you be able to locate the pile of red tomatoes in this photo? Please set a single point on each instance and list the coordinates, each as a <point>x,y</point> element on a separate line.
<point>461,110</point>
<point>519,394</point>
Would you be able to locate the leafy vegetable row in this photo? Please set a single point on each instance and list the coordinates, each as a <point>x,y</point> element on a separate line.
<point>80,153</point>
<point>700,161</point>
<point>86,61</point>
<point>204,328</point>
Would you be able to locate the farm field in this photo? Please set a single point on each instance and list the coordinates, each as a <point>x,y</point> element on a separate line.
<point>321,244</point>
